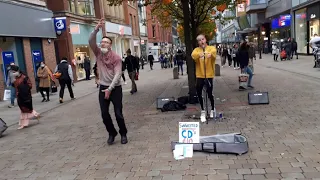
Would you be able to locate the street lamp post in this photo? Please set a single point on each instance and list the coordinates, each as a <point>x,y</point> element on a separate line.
<point>259,45</point>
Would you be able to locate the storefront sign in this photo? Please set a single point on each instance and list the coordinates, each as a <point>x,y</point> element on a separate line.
<point>118,28</point>
<point>60,24</point>
<point>136,43</point>
<point>7,57</point>
<point>74,29</point>
<point>189,132</point>
<point>37,59</point>
<point>283,21</point>
<point>313,12</point>
<point>241,9</point>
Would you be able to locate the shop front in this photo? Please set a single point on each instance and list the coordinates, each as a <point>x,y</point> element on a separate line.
<point>121,37</point>
<point>307,24</point>
<point>80,36</point>
<point>313,22</point>
<point>280,28</point>
<point>22,41</point>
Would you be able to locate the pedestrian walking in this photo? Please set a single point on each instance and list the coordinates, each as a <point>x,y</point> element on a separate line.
<point>252,54</point>
<point>123,70</point>
<point>150,59</point>
<point>132,66</point>
<point>87,67</point>
<point>96,74</point>
<point>179,59</point>
<point>65,78</point>
<point>10,84</point>
<point>243,55</point>
<point>23,87</point>
<point>234,52</point>
<point>109,65</point>
<point>44,81</point>
<point>294,46</point>
<point>224,55</point>
<point>275,51</point>
<point>142,62</point>
<point>288,48</point>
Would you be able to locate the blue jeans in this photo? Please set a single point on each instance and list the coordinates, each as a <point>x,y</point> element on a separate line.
<point>248,70</point>
<point>13,95</point>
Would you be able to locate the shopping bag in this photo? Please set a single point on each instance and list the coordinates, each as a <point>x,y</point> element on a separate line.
<point>7,95</point>
<point>243,80</point>
<point>54,88</point>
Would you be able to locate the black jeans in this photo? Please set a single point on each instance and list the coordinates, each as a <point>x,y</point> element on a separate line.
<point>87,74</point>
<point>151,65</point>
<point>123,77</point>
<point>46,89</point>
<point>63,84</point>
<point>294,52</point>
<point>199,86</point>
<point>236,62</point>
<point>116,99</point>
<point>275,57</point>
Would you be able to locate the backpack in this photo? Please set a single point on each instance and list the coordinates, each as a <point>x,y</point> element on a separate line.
<point>173,106</point>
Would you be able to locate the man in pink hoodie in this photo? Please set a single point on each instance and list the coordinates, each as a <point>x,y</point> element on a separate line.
<point>109,66</point>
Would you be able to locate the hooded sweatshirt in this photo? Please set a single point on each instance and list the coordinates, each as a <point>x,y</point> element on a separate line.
<point>109,64</point>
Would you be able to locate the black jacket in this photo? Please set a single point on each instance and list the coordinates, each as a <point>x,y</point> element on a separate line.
<point>150,58</point>
<point>63,68</point>
<point>243,57</point>
<point>87,64</point>
<point>131,64</point>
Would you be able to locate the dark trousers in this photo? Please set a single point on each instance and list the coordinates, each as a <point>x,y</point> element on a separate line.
<point>63,84</point>
<point>199,86</point>
<point>88,74</point>
<point>46,89</point>
<point>142,64</point>
<point>294,52</point>
<point>116,99</point>
<point>123,77</point>
<point>275,57</point>
<point>180,66</point>
<point>236,62</point>
<point>151,65</point>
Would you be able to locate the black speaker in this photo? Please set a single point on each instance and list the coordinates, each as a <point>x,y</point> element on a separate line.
<point>3,127</point>
<point>255,98</point>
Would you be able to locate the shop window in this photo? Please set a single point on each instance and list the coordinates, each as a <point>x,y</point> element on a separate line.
<point>301,30</point>
<point>153,31</point>
<point>82,7</point>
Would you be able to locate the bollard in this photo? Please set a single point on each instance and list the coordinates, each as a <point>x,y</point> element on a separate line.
<point>175,73</point>
<point>217,69</point>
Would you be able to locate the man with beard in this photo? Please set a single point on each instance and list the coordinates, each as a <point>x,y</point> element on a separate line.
<point>109,66</point>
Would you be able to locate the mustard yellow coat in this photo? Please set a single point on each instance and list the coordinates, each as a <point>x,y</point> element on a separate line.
<point>208,61</point>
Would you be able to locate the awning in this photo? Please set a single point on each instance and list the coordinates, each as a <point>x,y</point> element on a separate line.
<point>21,20</point>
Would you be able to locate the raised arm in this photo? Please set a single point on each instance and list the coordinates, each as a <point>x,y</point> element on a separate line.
<point>93,37</point>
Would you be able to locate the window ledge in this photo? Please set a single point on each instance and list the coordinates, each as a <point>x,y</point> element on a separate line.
<point>34,2</point>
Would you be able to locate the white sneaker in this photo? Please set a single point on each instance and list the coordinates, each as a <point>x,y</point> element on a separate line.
<point>213,113</point>
<point>234,68</point>
<point>125,82</point>
<point>203,116</point>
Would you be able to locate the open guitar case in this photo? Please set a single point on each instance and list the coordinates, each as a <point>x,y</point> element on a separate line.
<point>234,143</point>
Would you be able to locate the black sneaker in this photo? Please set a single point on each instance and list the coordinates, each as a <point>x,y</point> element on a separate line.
<point>124,139</point>
<point>250,87</point>
<point>111,139</point>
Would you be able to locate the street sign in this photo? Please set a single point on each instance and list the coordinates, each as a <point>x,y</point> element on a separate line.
<point>37,59</point>
<point>189,132</point>
<point>60,24</point>
<point>7,57</point>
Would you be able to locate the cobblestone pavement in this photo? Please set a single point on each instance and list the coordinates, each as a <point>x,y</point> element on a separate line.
<point>70,141</point>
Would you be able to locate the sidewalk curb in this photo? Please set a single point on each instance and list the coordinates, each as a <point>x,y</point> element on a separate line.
<point>59,105</point>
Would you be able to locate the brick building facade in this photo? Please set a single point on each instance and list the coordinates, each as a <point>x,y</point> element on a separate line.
<point>22,37</point>
<point>159,37</point>
<point>81,18</point>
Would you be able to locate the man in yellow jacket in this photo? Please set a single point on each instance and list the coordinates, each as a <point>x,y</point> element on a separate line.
<point>205,59</point>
